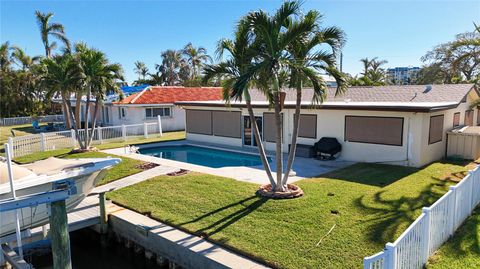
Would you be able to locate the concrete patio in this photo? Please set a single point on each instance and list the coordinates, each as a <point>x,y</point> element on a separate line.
<point>303,167</point>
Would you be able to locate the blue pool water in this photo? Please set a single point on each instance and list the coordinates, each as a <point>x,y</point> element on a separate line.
<point>203,156</point>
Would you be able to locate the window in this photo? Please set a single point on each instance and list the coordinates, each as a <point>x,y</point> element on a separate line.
<point>435,133</point>
<point>199,121</point>
<point>456,119</point>
<point>158,111</point>
<point>374,130</point>
<point>469,118</point>
<point>121,112</point>
<point>227,124</point>
<point>269,127</point>
<point>308,126</point>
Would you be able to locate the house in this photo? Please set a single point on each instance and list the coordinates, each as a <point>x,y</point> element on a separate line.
<point>403,125</point>
<point>155,101</point>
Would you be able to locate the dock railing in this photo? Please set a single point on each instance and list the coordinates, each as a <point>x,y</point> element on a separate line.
<point>431,229</point>
<point>28,144</point>
<point>26,120</point>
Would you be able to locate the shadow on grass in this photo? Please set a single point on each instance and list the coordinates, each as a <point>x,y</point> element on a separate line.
<point>229,219</point>
<point>392,216</point>
<point>371,174</point>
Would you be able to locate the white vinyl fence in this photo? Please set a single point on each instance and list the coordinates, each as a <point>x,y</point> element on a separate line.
<point>431,229</point>
<point>25,120</point>
<point>28,144</point>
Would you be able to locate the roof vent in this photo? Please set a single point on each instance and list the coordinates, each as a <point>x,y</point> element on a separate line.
<point>427,88</point>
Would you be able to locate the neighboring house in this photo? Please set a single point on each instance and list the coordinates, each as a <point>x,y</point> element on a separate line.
<point>155,101</point>
<point>391,124</point>
<point>402,75</point>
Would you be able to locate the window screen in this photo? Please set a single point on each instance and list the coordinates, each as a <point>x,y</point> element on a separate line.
<point>469,117</point>
<point>157,111</point>
<point>269,128</point>
<point>435,133</point>
<point>308,126</point>
<point>374,130</point>
<point>456,119</point>
<point>226,123</point>
<point>199,121</point>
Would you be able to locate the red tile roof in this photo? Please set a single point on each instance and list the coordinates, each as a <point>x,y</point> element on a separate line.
<point>172,94</point>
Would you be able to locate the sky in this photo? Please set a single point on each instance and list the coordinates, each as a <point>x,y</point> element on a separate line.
<point>128,31</point>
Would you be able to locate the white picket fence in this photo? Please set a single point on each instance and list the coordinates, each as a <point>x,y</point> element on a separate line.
<point>25,120</point>
<point>431,229</point>
<point>28,144</point>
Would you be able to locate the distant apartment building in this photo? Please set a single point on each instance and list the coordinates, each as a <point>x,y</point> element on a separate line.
<point>402,75</point>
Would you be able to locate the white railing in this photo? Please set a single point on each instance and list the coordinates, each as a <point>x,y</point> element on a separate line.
<point>28,144</point>
<point>431,229</point>
<point>26,120</point>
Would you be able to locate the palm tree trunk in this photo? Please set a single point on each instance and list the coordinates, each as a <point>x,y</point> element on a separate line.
<point>296,126</point>
<point>78,104</point>
<point>261,149</point>
<point>65,114</point>
<point>278,136</point>
<point>74,121</point>
<point>87,113</point>
<point>94,120</point>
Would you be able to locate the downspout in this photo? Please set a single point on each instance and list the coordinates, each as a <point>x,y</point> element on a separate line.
<point>409,137</point>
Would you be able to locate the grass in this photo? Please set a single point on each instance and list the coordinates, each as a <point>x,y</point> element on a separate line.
<point>367,204</point>
<point>18,130</point>
<point>125,168</point>
<point>463,249</point>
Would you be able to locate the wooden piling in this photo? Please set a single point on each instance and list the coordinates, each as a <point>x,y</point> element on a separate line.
<point>103,214</point>
<point>59,236</point>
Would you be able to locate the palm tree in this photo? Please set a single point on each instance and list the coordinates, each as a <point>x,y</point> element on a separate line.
<point>304,64</point>
<point>24,60</point>
<point>99,77</point>
<point>141,69</point>
<point>231,71</point>
<point>196,58</point>
<point>172,68</point>
<point>367,63</point>
<point>5,56</point>
<point>48,29</point>
<point>275,34</point>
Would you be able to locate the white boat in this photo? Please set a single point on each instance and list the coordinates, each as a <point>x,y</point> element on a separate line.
<point>42,176</point>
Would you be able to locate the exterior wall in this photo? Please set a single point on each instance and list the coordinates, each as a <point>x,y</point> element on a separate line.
<point>136,115</point>
<point>429,153</point>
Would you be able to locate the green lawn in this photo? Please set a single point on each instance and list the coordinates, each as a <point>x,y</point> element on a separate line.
<point>463,249</point>
<point>367,204</point>
<point>18,130</point>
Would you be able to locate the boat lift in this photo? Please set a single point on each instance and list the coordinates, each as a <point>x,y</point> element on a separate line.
<point>60,239</point>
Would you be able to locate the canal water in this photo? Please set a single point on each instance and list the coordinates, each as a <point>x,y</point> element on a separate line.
<point>88,253</point>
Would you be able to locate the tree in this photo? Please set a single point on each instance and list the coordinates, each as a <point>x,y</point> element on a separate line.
<point>24,60</point>
<point>173,68</point>
<point>373,73</point>
<point>231,71</point>
<point>196,58</point>
<point>48,29</point>
<point>6,58</point>
<point>305,61</point>
<point>141,69</point>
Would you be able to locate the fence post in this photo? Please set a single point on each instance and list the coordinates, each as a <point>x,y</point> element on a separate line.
<point>145,130</point>
<point>160,131</point>
<point>453,209</point>
<point>10,146</point>
<point>426,233</point>
<point>391,259</point>
<point>74,138</point>
<point>99,131</point>
<point>42,142</point>
<point>124,132</point>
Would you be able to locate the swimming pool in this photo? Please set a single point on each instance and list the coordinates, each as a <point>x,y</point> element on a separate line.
<point>203,156</point>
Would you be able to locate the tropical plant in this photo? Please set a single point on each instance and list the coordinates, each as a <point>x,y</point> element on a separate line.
<point>48,29</point>
<point>196,57</point>
<point>173,68</point>
<point>23,60</point>
<point>141,69</point>
<point>6,58</point>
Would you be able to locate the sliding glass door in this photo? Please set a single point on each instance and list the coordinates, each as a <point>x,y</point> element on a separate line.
<point>248,135</point>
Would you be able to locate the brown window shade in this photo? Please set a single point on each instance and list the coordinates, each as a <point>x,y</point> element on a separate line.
<point>478,116</point>
<point>435,133</point>
<point>456,119</point>
<point>226,123</point>
<point>374,130</point>
<point>469,117</point>
<point>199,121</point>
<point>269,127</point>
<point>308,126</point>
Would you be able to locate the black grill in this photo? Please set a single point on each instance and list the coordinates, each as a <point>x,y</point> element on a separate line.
<point>327,148</point>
